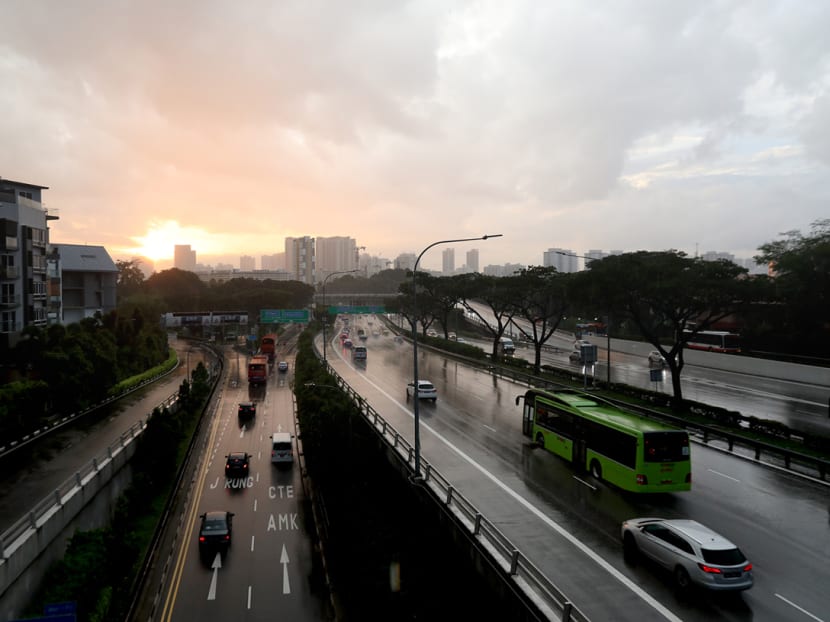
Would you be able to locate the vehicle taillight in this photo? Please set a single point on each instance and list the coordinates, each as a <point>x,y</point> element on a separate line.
<point>227,536</point>
<point>201,538</point>
<point>748,568</point>
<point>642,479</point>
<point>709,569</point>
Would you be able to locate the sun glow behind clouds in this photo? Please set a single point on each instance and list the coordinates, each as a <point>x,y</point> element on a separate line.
<point>162,237</point>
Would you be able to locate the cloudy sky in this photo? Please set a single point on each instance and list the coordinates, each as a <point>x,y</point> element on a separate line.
<point>585,125</point>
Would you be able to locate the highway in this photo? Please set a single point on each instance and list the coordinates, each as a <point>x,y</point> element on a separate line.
<point>568,523</point>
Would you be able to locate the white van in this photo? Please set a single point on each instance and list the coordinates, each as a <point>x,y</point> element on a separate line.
<point>282,448</point>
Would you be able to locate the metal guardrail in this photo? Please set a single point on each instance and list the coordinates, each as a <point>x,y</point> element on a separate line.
<point>530,579</point>
<point>33,518</point>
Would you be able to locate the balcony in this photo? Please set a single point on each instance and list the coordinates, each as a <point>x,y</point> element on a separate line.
<point>10,300</point>
<point>9,243</point>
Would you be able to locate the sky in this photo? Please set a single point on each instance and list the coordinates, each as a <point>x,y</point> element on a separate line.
<point>229,126</point>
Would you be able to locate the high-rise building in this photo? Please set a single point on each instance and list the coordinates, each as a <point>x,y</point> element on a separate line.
<point>247,263</point>
<point>448,261</point>
<point>300,259</point>
<point>335,254</point>
<point>406,261</point>
<point>184,258</point>
<point>563,259</point>
<point>472,260</point>
<point>26,287</point>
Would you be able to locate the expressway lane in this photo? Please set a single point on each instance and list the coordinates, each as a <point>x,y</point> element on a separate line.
<point>472,435</point>
<point>268,570</point>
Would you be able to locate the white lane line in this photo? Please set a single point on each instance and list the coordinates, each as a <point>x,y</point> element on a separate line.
<point>804,611</point>
<point>650,600</point>
<point>491,428</point>
<point>582,481</point>
<point>249,597</point>
<point>252,544</point>
<point>723,475</point>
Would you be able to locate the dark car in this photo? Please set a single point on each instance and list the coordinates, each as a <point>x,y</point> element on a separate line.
<point>247,410</point>
<point>215,532</point>
<point>236,464</point>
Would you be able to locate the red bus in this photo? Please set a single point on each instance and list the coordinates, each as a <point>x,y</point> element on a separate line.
<point>258,369</point>
<point>713,341</point>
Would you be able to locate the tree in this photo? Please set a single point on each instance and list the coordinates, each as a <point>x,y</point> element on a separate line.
<point>130,278</point>
<point>497,293</point>
<point>663,294</point>
<point>801,279</point>
<point>542,300</point>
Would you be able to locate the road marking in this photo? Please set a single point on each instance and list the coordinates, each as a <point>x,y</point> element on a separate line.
<point>804,611</point>
<point>491,428</point>
<point>582,481</point>
<point>217,564</point>
<point>249,597</point>
<point>723,475</point>
<point>286,587</point>
<point>252,544</point>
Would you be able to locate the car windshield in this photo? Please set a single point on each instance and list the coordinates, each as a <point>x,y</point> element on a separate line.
<point>723,557</point>
<point>214,524</point>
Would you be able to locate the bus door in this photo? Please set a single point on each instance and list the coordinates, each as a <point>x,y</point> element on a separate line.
<point>529,415</point>
<point>580,444</point>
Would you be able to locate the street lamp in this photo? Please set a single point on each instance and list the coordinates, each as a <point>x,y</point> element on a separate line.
<point>607,322</point>
<point>325,312</point>
<point>415,342</point>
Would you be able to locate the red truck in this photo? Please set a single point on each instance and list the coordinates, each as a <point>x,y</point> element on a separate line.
<point>268,346</point>
<point>258,369</point>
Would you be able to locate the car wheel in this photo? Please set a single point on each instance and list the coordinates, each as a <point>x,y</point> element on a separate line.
<point>596,469</point>
<point>681,577</point>
<point>434,399</point>
<point>630,549</point>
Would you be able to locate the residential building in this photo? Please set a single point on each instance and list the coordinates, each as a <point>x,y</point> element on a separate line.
<point>563,259</point>
<point>24,282</point>
<point>334,254</point>
<point>300,259</point>
<point>184,258</point>
<point>224,275</point>
<point>448,261</point>
<point>87,276</point>
<point>247,263</point>
<point>508,269</point>
<point>272,262</point>
<point>472,260</point>
<point>406,261</point>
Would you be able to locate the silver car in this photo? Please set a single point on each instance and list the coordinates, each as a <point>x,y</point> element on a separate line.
<point>694,554</point>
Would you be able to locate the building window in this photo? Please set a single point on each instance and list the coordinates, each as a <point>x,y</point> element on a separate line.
<point>8,322</point>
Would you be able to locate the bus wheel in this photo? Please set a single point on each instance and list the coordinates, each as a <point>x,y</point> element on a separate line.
<point>596,469</point>
<point>540,440</point>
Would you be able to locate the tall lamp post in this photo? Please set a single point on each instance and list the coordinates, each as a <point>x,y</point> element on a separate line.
<point>607,322</point>
<point>325,311</point>
<point>415,342</point>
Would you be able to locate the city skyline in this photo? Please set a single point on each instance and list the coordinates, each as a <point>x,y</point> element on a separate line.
<point>632,126</point>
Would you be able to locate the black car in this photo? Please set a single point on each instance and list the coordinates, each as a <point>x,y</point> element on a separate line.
<point>215,532</point>
<point>247,410</point>
<point>236,464</point>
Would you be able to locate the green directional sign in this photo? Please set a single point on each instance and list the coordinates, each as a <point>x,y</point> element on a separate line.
<point>346,309</point>
<point>283,316</point>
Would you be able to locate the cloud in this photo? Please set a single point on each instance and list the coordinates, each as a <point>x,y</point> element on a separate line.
<point>581,125</point>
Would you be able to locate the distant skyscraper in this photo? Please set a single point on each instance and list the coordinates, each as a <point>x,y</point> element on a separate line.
<point>247,263</point>
<point>472,260</point>
<point>300,259</point>
<point>335,254</point>
<point>563,259</point>
<point>184,258</point>
<point>448,261</point>
<point>406,261</point>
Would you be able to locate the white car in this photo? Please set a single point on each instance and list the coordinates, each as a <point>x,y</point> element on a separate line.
<point>282,366</point>
<point>426,390</point>
<point>693,553</point>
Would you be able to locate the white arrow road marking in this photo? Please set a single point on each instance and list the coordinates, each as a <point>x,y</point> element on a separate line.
<point>286,587</point>
<point>217,564</point>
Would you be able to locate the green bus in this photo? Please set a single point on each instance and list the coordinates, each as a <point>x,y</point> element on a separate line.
<point>623,448</point>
